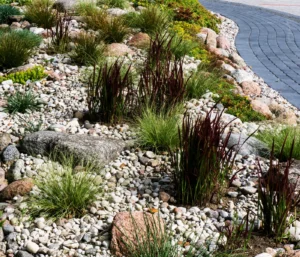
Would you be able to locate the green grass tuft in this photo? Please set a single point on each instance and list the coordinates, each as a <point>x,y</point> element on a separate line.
<point>158,131</point>
<point>6,11</point>
<point>288,134</point>
<point>63,193</point>
<point>22,103</point>
<point>16,47</point>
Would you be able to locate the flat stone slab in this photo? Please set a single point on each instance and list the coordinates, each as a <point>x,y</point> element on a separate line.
<point>269,42</point>
<point>87,148</point>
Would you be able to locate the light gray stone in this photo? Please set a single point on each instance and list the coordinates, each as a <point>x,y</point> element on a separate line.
<point>32,247</point>
<point>247,146</point>
<point>10,153</point>
<point>88,148</point>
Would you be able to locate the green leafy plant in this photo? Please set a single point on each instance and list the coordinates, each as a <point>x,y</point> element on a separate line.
<point>158,131</point>
<point>33,74</point>
<point>106,99</point>
<point>151,20</point>
<point>202,164</point>
<point>16,47</point>
<point>6,11</point>
<point>180,47</point>
<point>41,12</point>
<point>277,195</point>
<point>88,50</point>
<point>288,135</point>
<point>22,102</point>
<point>63,192</point>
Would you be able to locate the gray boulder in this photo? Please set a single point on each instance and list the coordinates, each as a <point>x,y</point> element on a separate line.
<point>98,150</point>
<point>245,146</point>
<point>23,254</point>
<point>10,153</point>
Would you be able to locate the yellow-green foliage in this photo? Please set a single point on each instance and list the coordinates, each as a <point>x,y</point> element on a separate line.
<point>21,77</point>
<point>186,30</point>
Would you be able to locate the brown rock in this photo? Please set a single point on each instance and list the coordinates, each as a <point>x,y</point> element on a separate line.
<point>251,88</point>
<point>126,226</point>
<point>163,196</point>
<point>140,40</point>
<point>19,187</point>
<point>5,140</point>
<point>17,18</point>
<point>117,49</point>
<point>282,114</point>
<point>23,68</point>
<point>53,75</point>
<point>223,42</point>
<point>25,24</point>
<point>261,108</point>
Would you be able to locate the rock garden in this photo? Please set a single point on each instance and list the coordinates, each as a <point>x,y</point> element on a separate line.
<point>135,129</point>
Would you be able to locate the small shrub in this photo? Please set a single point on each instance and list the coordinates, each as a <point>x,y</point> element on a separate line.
<point>110,29</point>
<point>88,50</point>
<point>240,107</point>
<point>202,164</point>
<point>6,11</point>
<point>151,20</point>
<point>277,195</point>
<point>287,136</point>
<point>16,47</point>
<point>63,193</point>
<point>41,12</point>
<point>158,131</point>
<point>106,99</point>
<point>22,102</point>
<point>34,74</point>
<point>162,84</point>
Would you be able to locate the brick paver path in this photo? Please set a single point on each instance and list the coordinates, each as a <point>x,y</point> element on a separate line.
<point>269,42</point>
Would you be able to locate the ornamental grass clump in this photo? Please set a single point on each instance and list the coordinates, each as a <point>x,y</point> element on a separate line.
<point>110,90</point>
<point>278,194</point>
<point>16,47</point>
<point>202,163</point>
<point>41,13</point>
<point>88,49</point>
<point>6,11</point>
<point>22,102</point>
<point>158,131</point>
<point>62,192</point>
<point>151,20</point>
<point>290,135</point>
<point>162,83</point>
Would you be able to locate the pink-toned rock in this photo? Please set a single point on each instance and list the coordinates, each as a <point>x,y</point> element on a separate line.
<point>117,49</point>
<point>223,42</point>
<point>261,108</point>
<point>15,25</point>
<point>211,39</point>
<point>126,226</point>
<point>19,187</point>
<point>53,75</point>
<point>23,68</point>
<point>217,51</point>
<point>251,88</point>
<point>140,40</point>
<point>202,37</point>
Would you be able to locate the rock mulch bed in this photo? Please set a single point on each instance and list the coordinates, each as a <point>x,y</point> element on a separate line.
<point>135,180</point>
